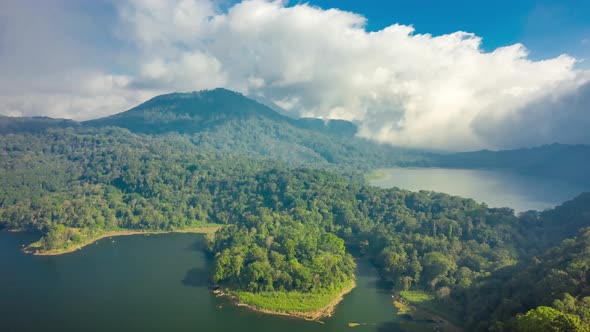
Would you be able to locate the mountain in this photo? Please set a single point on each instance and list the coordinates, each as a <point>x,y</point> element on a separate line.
<point>559,161</point>
<point>227,121</point>
<point>203,110</point>
<point>189,112</point>
<point>32,124</point>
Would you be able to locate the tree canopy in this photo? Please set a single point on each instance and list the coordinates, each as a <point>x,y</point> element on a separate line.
<point>287,224</point>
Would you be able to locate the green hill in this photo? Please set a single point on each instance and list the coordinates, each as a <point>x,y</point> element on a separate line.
<point>226,121</point>
<point>223,121</point>
<point>32,124</point>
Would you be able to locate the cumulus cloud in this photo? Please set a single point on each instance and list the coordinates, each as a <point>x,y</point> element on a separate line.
<point>56,59</point>
<point>400,87</point>
<point>561,116</point>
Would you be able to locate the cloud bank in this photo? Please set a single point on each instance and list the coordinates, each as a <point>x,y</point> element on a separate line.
<point>400,87</point>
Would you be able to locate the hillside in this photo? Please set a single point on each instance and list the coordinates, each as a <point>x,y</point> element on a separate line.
<point>558,161</point>
<point>225,121</point>
<point>198,111</point>
<point>558,279</point>
<point>189,113</point>
<point>32,124</point>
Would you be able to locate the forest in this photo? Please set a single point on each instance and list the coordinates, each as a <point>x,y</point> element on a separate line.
<point>288,227</point>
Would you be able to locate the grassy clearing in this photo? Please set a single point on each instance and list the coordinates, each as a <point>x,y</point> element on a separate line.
<point>90,236</point>
<point>416,297</point>
<point>294,301</point>
<point>309,306</point>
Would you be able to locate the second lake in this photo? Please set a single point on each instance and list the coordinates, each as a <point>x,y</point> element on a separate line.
<point>495,188</point>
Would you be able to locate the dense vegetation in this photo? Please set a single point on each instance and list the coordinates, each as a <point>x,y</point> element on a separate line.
<point>226,121</point>
<point>287,225</point>
<point>32,124</point>
<point>270,251</point>
<point>546,281</point>
<point>273,260</point>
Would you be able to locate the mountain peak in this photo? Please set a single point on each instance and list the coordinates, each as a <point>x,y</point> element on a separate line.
<point>200,94</point>
<point>199,111</point>
<point>188,112</point>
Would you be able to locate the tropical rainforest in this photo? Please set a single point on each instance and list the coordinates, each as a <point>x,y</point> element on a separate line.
<point>292,201</point>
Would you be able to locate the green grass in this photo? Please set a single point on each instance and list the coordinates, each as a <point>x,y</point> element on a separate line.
<point>88,236</point>
<point>416,297</point>
<point>292,301</point>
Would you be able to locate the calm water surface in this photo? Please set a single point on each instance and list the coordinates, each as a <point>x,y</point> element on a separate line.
<point>495,188</point>
<point>150,283</point>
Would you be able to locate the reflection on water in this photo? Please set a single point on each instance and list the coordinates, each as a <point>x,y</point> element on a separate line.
<point>495,188</point>
<point>151,283</point>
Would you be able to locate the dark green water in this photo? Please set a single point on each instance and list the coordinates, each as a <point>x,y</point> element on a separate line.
<point>150,283</point>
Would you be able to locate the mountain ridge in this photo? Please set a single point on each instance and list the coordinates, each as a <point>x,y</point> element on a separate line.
<point>189,112</point>
<point>230,122</point>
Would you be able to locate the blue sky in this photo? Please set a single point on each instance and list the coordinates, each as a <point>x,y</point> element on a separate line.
<point>546,28</point>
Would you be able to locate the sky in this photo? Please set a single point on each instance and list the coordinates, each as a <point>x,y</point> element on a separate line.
<point>546,28</point>
<point>452,75</point>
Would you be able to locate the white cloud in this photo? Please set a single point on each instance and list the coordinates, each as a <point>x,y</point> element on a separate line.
<point>400,87</point>
<point>80,96</point>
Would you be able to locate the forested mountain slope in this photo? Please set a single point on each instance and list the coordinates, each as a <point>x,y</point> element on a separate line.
<point>32,124</point>
<point>223,120</point>
<point>560,278</point>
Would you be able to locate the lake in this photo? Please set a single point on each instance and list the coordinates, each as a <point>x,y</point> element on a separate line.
<point>160,282</point>
<point>495,188</point>
<point>151,283</point>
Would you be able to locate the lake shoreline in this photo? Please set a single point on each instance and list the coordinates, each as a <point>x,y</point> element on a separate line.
<point>30,249</point>
<point>496,188</point>
<point>314,315</point>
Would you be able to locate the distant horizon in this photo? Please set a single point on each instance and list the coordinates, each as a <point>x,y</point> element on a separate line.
<point>302,117</point>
